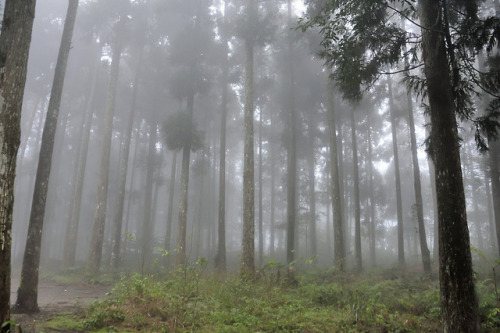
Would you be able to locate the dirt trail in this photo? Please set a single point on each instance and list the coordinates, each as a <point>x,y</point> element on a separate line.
<point>53,298</point>
<point>51,293</point>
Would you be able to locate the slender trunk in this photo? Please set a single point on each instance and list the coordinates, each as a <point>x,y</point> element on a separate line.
<point>291,246</point>
<point>336,194</point>
<point>248,245</point>
<point>261,223</point>
<point>459,305</point>
<point>272,162</point>
<point>168,234</point>
<point>399,204</point>
<point>15,39</point>
<point>27,293</point>
<point>356,200</point>
<point>180,258</point>
<point>123,170</point>
<point>220,258</point>
<point>494,153</point>
<point>373,222</point>
<point>491,217</point>
<point>147,223</point>
<point>312,188</point>
<point>95,251</point>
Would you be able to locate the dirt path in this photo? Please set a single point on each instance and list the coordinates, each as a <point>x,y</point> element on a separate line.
<point>54,298</point>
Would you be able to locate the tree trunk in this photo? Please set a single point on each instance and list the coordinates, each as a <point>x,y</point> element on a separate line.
<point>399,204</point>
<point>272,163</point>
<point>312,187</point>
<point>248,245</point>
<point>495,184</point>
<point>122,180</point>
<point>338,224</point>
<point>15,39</point>
<point>147,223</point>
<point>373,222</point>
<point>28,290</point>
<point>291,247</point>
<point>459,305</point>
<point>168,234</point>
<point>220,258</point>
<point>95,252</point>
<point>180,258</point>
<point>356,203</point>
<point>261,216</point>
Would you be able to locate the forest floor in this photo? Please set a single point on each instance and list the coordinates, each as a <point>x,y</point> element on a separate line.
<point>195,300</point>
<point>55,298</point>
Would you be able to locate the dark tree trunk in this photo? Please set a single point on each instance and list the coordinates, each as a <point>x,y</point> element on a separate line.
<point>338,225</point>
<point>495,185</point>
<point>95,252</point>
<point>220,258</point>
<point>272,163</point>
<point>459,305</point>
<point>15,39</point>
<point>27,293</point>
<point>180,258</point>
<point>291,247</point>
<point>312,187</point>
<point>261,215</point>
<point>399,204</point>
<point>356,203</point>
<point>373,222</point>
<point>168,234</point>
<point>248,245</point>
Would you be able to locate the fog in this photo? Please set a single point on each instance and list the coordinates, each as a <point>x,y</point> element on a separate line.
<point>172,60</point>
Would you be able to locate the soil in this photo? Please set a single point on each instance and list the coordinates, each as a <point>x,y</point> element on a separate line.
<point>55,298</point>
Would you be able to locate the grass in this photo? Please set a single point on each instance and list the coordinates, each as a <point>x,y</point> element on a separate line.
<point>320,301</point>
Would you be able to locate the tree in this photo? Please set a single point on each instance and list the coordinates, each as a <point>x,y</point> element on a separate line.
<point>363,48</point>
<point>397,176</point>
<point>27,293</point>
<point>339,247</point>
<point>15,39</point>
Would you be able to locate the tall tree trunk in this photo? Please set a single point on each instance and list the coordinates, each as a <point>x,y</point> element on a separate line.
<point>168,234</point>
<point>122,180</point>
<point>220,258</point>
<point>15,39</point>
<point>356,201</point>
<point>147,223</point>
<point>272,163</point>
<point>459,305</point>
<point>493,160</point>
<point>180,258</point>
<point>261,222</point>
<point>399,204</point>
<point>373,222</point>
<point>71,235</point>
<point>28,290</point>
<point>312,187</point>
<point>338,224</point>
<point>491,215</point>
<point>95,252</point>
<point>291,247</point>
<point>247,244</point>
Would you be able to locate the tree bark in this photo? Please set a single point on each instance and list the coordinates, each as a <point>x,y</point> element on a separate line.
<point>459,304</point>
<point>397,175</point>
<point>356,202</point>
<point>312,187</point>
<point>95,252</point>
<point>220,258</point>
<point>338,224</point>
<point>495,185</point>
<point>168,234</point>
<point>373,222</point>
<point>27,293</point>
<point>248,246</point>
<point>15,39</point>
<point>291,247</point>
<point>261,215</point>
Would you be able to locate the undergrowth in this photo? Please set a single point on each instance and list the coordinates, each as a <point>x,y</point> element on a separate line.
<point>322,302</point>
